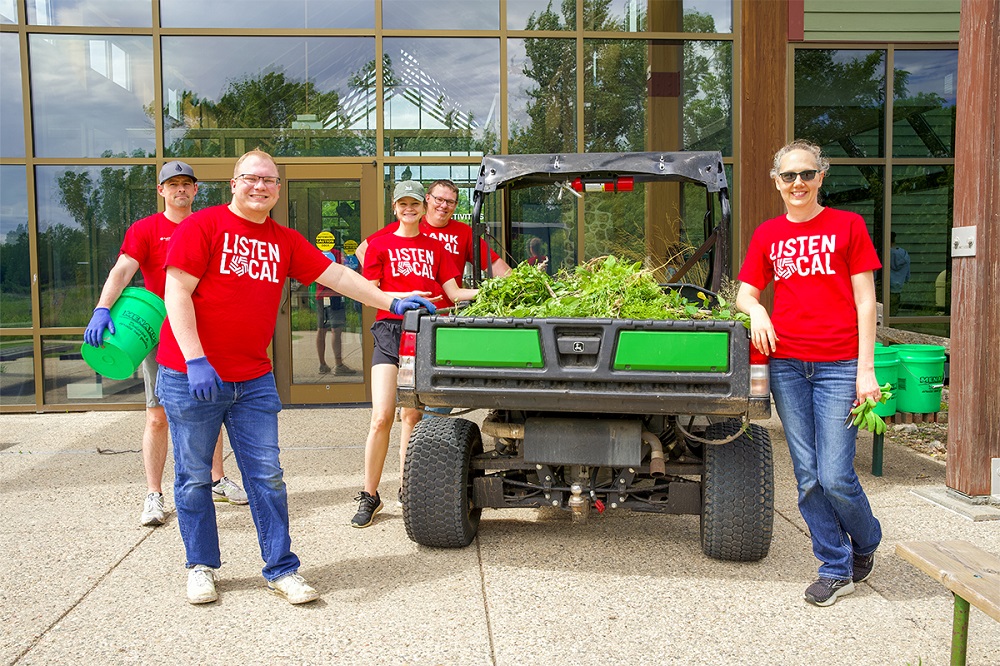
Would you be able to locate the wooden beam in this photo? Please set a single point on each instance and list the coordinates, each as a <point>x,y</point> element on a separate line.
<point>974,407</point>
<point>763,111</point>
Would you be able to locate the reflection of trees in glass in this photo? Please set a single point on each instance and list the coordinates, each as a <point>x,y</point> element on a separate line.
<point>15,269</point>
<point>75,258</point>
<point>707,84</point>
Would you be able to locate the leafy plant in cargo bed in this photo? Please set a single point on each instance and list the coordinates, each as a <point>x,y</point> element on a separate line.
<point>603,288</point>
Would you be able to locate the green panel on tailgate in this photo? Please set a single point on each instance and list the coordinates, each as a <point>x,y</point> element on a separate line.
<point>489,347</point>
<point>684,351</point>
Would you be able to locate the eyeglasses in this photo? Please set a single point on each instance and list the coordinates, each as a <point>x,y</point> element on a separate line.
<point>252,179</point>
<point>447,202</point>
<point>790,176</point>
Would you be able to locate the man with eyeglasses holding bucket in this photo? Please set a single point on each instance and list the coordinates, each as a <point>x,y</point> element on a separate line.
<point>226,269</point>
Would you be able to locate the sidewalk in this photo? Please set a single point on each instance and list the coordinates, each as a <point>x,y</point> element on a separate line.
<point>83,583</point>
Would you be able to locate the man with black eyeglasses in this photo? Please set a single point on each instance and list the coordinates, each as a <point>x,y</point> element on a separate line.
<point>226,269</point>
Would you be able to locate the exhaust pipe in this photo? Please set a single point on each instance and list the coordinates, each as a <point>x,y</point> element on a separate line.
<point>657,466</point>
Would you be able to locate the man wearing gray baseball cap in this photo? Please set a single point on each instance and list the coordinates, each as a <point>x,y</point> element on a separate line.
<point>145,249</point>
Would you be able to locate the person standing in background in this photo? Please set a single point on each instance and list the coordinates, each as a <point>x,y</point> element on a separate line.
<point>899,274</point>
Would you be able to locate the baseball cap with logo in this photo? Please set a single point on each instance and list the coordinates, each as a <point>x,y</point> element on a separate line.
<point>176,168</point>
<point>408,188</point>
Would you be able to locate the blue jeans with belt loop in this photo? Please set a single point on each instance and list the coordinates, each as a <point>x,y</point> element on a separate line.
<point>249,411</point>
<point>812,399</point>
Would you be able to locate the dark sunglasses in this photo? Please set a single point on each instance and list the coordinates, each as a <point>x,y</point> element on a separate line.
<point>790,176</point>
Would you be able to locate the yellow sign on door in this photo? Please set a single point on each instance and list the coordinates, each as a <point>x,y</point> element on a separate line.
<point>325,240</point>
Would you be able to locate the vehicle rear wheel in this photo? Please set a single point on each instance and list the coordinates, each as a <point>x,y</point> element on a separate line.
<point>437,484</point>
<point>737,513</point>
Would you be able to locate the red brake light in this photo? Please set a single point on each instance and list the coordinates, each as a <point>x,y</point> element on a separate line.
<point>618,184</point>
<point>408,343</point>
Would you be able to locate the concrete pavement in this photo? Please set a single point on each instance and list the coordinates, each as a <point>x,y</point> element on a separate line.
<point>82,582</point>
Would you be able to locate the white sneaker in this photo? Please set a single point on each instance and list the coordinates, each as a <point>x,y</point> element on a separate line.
<point>152,510</point>
<point>226,490</point>
<point>201,585</point>
<point>293,588</point>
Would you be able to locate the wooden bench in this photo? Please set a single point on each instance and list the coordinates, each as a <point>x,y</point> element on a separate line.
<point>971,574</point>
<point>878,441</point>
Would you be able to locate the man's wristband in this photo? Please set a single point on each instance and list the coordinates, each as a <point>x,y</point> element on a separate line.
<point>392,306</point>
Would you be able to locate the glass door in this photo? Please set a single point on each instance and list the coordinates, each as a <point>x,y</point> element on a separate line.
<point>321,348</point>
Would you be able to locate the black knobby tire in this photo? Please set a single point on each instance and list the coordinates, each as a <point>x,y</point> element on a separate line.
<point>437,485</point>
<point>737,513</point>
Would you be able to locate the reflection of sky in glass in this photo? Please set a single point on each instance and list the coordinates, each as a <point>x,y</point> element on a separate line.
<point>519,11</point>
<point>90,95</point>
<point>8,11</point>
<point>98,13</point>
<point>268,14</point>
<point>428,65</point>
<point>931,72</point>
<point>441,14</point>
<point>632,15</point>
<point>13,199</point>
<point>328,62</point>
<point>11,106</point>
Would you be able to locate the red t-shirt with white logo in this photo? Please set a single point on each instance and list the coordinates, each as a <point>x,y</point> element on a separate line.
<point>242,268</point>
<point>146,242</point>
<point>407,264</point>
<point>455,236</point>
<point>811,264</point>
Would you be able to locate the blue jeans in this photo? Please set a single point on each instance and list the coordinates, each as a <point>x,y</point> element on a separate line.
<point>249,411</point>
<point>812,400</point>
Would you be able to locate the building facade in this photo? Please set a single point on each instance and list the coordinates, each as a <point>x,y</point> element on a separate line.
<point>351,96</point>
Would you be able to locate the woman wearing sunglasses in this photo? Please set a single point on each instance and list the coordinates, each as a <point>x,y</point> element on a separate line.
<point>820,336</point>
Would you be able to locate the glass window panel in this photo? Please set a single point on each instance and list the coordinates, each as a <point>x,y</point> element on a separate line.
<point>11,104</point>
<point>859,189</point>
<point>82,216</point>
<point>326,326</point>
<point>713,16</point>
<point>99,13</point>
<point>539,212</point>
<point>840,101</point>
<point>15,255</point>
<point>69,380</point>
<point>688,91</point>
<point>313,14</point>
<point>17,371</point>
<point>541,85</point>
<point>924,107</point>
<point>541,15</point>
<point>433,107</point>
<point>923,199</point>
<point>296,97</point>
<point>92,95</point>
<point>8,11</point>
<point>440,15</point>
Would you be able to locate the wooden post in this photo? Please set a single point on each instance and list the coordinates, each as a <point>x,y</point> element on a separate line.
<point>763,114</point>
<point>974,407</point>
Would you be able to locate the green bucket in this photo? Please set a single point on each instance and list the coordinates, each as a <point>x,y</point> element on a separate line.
<point>137,315</point>
<point>887,370</point>
<point>921,375</point>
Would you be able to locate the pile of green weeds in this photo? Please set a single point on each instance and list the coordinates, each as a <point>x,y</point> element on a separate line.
<point>604,288</point>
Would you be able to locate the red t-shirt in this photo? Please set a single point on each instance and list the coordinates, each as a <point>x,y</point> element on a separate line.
<point>455,236</point>
<point>146,242</point>
<point>242,268</point>
<point>811,264</point>
<point>402,264</point>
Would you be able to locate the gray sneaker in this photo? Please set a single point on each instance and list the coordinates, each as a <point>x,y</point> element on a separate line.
<point>825,591</point>
<point>293,588</point>
<point>226,490</point>
<point>152,510</point>
<point>201,585</point>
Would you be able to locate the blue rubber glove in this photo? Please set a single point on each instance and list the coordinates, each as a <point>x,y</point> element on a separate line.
<point>401,305</point>
<point>203,381</point>
<point>94,335</point>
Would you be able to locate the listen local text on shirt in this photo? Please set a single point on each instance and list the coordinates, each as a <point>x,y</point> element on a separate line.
<point>803,255</point>
<point>249,257</point>
<point>412,261</point>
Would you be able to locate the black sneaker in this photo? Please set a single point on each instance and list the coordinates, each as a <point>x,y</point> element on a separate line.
<point>368,506</point>
<point>863,565</point>
<point>824,591</point>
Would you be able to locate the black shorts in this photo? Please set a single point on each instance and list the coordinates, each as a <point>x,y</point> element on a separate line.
<point>333,317</point>
<point>386,333</point>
